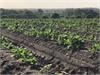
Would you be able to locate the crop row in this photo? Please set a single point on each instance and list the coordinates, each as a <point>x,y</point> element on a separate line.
<point>59,25</point>
<point>19,52</point>
<point>59,30</point>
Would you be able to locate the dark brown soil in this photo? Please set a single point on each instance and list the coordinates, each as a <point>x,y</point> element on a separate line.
<point>89,62</point>
<point>9,65</point>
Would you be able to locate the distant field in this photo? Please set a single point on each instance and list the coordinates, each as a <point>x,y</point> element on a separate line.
<point>38,27</point>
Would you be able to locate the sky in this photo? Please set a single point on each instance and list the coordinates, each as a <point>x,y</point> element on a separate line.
<point>20,4</point>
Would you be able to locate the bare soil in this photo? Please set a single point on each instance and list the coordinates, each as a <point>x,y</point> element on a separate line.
<point>8,63</point>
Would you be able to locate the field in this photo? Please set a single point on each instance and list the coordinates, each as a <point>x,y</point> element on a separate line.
<point>50,46</point>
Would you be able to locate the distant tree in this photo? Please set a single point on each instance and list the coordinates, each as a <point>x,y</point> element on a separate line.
<point>55,15</point>
<point>45,17</point>
<point>40,11</point>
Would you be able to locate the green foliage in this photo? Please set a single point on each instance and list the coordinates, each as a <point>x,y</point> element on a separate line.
<point>71,41</point>
<point>55,16</point>
<point>64,31</point>
<point>95,47</point>
<point>39,13</point>
<point>77,42</point>
<point>20,53</point>
<point>4,42</point>
<point>23,55</point>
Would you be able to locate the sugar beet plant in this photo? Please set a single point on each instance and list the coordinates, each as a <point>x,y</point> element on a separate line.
<point>23,55</point>
<point>71,41</point>
<point>20,53</point>
<point>95,47</point>
<point>59,30</point>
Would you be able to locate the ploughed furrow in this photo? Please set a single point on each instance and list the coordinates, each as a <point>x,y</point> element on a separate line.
<point>42,50</point>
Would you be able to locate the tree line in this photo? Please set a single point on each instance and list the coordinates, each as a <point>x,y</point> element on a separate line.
<point>50,13</point>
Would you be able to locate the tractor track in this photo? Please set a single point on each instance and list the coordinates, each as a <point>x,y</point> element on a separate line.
<point>47,51</point>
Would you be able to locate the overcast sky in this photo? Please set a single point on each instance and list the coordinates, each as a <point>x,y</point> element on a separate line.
<point>49,3</point>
